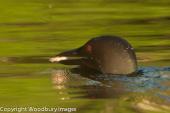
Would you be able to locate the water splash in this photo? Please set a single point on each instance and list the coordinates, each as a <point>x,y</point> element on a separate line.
<point>151,78</point>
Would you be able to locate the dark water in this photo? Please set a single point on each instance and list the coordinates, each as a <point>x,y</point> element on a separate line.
<point>147,91</point>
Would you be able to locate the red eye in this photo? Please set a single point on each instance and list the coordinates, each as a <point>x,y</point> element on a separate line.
<point>89,48</point>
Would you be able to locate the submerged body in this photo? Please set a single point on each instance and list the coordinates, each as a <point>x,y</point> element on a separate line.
<point>107,54</point>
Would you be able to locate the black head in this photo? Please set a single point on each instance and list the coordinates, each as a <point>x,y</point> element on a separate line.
<point>107,54</point>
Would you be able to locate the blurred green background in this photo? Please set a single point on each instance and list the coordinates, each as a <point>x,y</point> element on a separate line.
<point>31,31</point>
<point>51,26</point>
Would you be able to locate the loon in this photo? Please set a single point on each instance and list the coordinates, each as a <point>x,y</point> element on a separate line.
<point>106,54</point>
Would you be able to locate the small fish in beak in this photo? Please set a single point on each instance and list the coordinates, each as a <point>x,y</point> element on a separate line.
<point>57,59</point>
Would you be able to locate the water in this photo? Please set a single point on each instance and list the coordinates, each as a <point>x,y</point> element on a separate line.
<point>32,31</point>
<point>148,91</point>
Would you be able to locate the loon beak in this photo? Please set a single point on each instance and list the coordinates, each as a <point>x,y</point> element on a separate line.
<point>67,57</point>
